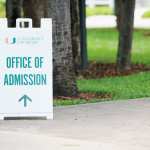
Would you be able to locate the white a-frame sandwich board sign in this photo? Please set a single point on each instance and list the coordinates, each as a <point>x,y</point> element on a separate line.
<point>26,70</point>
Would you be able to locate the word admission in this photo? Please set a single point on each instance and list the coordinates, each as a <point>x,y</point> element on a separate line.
<point>23,64</point>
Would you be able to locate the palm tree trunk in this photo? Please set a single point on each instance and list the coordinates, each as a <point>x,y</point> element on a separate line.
<point>35,10</point>
<point>13,11</point>
<point>64,73</point>
<point>75,33</point>
<point>125,34</point>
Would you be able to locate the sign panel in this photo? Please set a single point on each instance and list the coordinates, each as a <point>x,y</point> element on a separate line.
<point>26,70</point>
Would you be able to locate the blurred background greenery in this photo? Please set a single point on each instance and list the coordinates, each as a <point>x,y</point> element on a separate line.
<point>2,8</point>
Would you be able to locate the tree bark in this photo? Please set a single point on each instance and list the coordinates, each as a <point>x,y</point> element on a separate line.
<point>75,32</point>
<point>34,9</point>
<point>83,34</point>
<point>13,11</point>
<point>125,34</point>
<point>64,73</point>
<point>118,12</point>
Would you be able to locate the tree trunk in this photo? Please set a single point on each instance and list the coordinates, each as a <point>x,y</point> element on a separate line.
<point>125,34</point>
<point>34,9</point>
<point>75,32</point>
<point>118,12</point>
<point>64,74</point>
<point>83,34</point>
<point>13,11</point>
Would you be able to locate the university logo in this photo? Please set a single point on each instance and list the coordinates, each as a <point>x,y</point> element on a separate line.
<point>10,40</point>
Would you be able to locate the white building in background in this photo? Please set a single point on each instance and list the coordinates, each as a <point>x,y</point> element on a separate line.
<point>139,3</point>
<point>143,3</point>
<point>93,3</point>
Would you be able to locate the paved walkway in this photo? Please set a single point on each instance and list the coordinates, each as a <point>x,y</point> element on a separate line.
<point>110,21</point>
<point>121,125</point>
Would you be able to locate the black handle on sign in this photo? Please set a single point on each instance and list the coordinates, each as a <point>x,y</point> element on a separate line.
<point>24,23</point>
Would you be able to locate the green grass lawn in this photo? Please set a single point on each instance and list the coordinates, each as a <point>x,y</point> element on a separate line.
<point>102,46</point>
<point>99,10</point>
<point>127,87</point>
<point>120,88</point>
<point>61,102</point>
<point>146,14</point>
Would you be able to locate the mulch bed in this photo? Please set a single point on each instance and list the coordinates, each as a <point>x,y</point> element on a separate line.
<point>98,70</point>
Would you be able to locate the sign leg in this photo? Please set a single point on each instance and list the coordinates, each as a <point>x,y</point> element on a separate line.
<point>49,117</point>
<point>2,117</point>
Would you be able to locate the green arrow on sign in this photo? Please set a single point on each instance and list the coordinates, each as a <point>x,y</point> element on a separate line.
<point>25,99</point>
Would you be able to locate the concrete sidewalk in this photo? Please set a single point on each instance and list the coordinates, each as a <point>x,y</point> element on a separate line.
<point>27,141</point>
<point>121,125</point>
